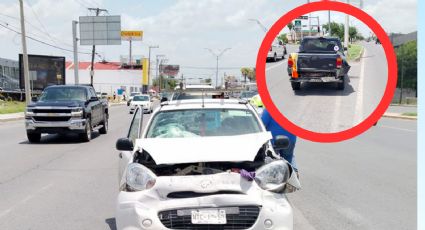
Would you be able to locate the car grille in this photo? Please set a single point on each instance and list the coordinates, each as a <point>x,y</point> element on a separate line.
<point>51,111</point>
<point>42,118</point>
<point>245,219</point>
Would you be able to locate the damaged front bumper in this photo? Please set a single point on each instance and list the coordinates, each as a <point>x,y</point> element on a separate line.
<point>170,202</point>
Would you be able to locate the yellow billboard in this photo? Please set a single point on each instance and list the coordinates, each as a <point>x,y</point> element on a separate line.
<point>145,67</point>
<point>134,35</point>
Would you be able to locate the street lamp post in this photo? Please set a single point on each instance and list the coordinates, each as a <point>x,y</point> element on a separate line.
<point>149,67</point>
<point>217,57</point>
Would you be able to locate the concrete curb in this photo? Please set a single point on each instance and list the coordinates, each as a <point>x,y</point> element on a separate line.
<point>360,55</point>
<point>399,116</point>
<point>12,117</point>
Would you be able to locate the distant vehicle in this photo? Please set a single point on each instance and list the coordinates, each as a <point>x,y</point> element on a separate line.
<point>277,51</point>
<point>67,109</point>
<point>143,100</point>
<point>199,94</point>
<point>130,97</point>
<point>101,95</point>
<point>377,41</point>
<point>320,59</point>
<point>193,167</point>
<point>247,95</point>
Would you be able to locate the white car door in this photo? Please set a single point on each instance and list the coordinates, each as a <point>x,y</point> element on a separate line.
<point>133,133</point>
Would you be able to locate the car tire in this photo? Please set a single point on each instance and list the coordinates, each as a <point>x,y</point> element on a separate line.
<point>275,58</point>
<point>341,85</point>
<point>34,137</point>
<point>86,136</point>
<point>296,85</point>
<point>104,129</point>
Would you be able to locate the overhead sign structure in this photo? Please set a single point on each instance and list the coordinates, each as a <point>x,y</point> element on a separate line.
<point>134,35</point>
<point>100,30</point>
<point>303,17</point>
<point>297,23</point>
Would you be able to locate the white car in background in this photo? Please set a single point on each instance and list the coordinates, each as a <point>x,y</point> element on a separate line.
<point>277,51</point>
<point>131,96</point>
<point>203,164</point>
<point>142,100</point>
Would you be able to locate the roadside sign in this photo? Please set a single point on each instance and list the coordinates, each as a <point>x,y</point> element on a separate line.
<point>303,17</point>
<point>297,23</point>
<point>100,30</point>
<point>134,35</point>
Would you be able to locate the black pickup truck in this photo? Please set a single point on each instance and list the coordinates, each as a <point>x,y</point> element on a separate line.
<point>67,109</point>
<point>320,59</point>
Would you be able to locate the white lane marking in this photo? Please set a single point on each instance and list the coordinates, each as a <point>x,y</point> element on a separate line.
<point>25,200</point>
<point>358,112</point>
<point>274,66</point>
<point>401,129</point>
<point>337,112</point>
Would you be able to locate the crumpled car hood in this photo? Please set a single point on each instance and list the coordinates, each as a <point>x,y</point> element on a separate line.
<point>204,149</point>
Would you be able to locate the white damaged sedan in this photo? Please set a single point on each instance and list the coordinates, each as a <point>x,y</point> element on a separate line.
<point>203,164</point>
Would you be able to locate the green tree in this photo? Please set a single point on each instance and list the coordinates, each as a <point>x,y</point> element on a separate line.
<point>283,38</point>
<point>407,65</point>
<point>248,73</point>
<point>208,80</point>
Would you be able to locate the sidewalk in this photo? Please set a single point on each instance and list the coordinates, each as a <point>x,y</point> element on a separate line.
<point>11,116</point>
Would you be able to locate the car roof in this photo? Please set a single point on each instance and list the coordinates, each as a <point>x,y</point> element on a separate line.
<point>204,104</point>
<point>69,86</point>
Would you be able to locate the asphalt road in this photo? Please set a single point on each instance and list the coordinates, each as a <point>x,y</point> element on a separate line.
<point>320,107</point>
<point>366,183</point>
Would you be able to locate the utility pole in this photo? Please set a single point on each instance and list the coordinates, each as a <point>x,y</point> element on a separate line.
<point>401,81</point>
<point>309,21</point>
<point>94,47</point>
<point>25,55</point>
<point>217,57</point>
<point>74,44</point>
<point>129,55</point>
<point>149,60</point>
<point>329,23</point>
<point>158,56</point>
<point>346,28</point>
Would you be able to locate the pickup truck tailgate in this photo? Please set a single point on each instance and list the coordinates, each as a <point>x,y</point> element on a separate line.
<point>315,62</point>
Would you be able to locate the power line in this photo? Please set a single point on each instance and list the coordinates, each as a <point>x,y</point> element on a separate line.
<point>42,42</point>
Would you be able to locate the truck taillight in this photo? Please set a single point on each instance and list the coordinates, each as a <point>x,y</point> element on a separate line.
<point>290,61</point>
<point>338,62</point>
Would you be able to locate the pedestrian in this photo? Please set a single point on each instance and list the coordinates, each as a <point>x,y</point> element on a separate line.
<point>115,95</point>
<point>123,95</point>
<point>272,126</point>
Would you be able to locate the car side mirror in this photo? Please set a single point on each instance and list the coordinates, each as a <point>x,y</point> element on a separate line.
<point>164,99</point>
<point>93,99</point>
<point>124,144</point>
<point>34,99</point>
<point>281,142</point>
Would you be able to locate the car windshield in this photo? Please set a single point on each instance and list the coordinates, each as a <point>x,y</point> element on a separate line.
<point>141,98</point>
<point>64,94</point>
<point>248,94</point>
<point>203,123</point>
<point>320,45</point>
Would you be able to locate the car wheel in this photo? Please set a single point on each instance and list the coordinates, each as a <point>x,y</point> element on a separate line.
<point>86,136</point>
<point>34,137</point>
<point>104,129</point>
<point>296,85</point>
<point>341,85</point>
<point>275,57</point>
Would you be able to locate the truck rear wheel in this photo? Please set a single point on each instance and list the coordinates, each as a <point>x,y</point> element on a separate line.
<point>296,85</point>
<point>34,137</point>
<point>86,136</point>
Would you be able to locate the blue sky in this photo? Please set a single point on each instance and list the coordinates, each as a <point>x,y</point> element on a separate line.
<point>182,28</point>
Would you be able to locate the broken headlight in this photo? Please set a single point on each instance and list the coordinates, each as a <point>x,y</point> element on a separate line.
<point>273,176</point>
<point>139,177</point>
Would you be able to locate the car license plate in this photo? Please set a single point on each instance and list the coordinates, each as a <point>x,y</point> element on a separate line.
<point>209,216</point>
<point>328,79</point>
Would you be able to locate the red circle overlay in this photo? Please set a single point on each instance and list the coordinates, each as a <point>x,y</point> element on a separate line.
<point>373,117</point>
